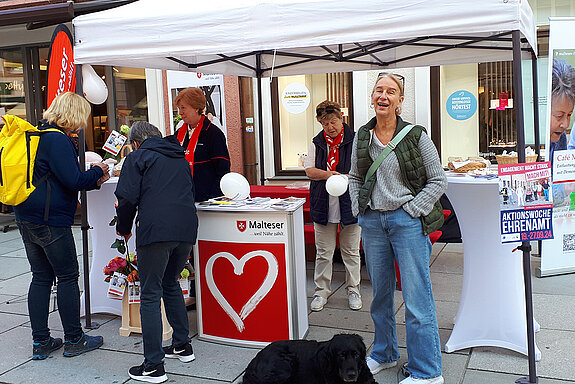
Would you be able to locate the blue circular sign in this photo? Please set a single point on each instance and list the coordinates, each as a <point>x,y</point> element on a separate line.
<point>461,105</point>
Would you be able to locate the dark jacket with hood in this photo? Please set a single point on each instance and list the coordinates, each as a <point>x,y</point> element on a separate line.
<point>56,156</point>
<point>156,183</point>
<point>318,196</point>
<point>211,160</point>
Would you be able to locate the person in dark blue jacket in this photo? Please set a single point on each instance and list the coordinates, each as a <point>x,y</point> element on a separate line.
<point>330,154</point>
<point>45,221</point>
<point>204,144</point>
<point>156,185</point>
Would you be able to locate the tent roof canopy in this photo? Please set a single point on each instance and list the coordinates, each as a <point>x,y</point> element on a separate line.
<point>288,37</point>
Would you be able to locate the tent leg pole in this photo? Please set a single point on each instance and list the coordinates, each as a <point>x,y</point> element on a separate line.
<point>260,118</point>
<point>84,214</point>
<point>525,246</point>
<point>535,104</point>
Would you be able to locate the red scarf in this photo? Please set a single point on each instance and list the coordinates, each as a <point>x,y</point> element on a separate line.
<point>193,140</point>
<point>333,145</point>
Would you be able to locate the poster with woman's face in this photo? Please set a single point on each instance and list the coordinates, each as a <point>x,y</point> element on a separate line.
<point>213,88</point>
<point>562,99</point>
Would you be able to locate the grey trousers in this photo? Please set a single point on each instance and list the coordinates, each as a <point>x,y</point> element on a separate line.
<point>325,242</point>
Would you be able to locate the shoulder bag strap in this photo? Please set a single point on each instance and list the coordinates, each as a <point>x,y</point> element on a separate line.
<point>387,150</point>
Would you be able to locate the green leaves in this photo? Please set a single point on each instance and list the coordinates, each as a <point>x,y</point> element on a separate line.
<point>120,245</point>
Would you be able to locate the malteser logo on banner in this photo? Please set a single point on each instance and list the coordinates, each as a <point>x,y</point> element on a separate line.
<point>557,254</point>
<point>61,68</point>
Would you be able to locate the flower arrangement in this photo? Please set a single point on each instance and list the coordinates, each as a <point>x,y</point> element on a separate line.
<point>127,265</point>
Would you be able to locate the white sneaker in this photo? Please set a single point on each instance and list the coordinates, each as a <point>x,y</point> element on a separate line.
<point>433,380</point>
<point>355,301</point>
<point>376,367</point>
<point>318,303</point>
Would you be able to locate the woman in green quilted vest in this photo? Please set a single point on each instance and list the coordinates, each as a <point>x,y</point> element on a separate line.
<point>397,206</point>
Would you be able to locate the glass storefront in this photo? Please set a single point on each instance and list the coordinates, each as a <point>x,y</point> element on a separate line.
<point>12,93</point>
<point>294,121</point>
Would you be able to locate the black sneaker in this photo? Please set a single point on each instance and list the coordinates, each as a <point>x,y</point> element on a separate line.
<point>84,344</point>
<point>154,374</point>
<point>40,351</point>
<point>184,352</point>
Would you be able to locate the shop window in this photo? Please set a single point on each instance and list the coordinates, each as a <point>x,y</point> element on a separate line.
<point>12,85</point>
<point>496,113</point>
<point>131,97</point>
<point>294,99</point>
<point>127,98</point>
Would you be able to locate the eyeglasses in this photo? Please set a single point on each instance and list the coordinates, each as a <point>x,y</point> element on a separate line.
<point>327,110</point>
<point>400,77</point>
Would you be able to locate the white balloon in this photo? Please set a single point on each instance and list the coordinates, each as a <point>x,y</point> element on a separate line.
<point>235,186</point>
<point>93,157</point>
<point>95,90</point>
<point>336,185</point>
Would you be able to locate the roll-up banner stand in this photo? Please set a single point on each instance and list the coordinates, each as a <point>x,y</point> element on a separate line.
<point>558,254</point>
<point>61,68</point>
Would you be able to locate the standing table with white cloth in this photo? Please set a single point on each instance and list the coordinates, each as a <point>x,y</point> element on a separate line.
<point>492,306</point>
<point>251,274</point>
<point>101,211</point>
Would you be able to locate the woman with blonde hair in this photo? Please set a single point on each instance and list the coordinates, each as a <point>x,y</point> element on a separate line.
<point>45,220</point>
<point>396,180</point>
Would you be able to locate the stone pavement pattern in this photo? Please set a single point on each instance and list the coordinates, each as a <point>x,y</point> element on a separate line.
<point>554,308</point>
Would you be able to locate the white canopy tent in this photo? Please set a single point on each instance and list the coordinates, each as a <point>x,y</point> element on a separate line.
<point>302,36</point>
<point>287,37</point>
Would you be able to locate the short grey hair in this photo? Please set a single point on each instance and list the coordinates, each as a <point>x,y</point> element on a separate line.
<point>142,130</point>
<point>563,80</point>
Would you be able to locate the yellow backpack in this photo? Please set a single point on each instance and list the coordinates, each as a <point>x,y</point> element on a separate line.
<point>18,146</point>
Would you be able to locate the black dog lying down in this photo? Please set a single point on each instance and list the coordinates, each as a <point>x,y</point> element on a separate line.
<point>339,360</point>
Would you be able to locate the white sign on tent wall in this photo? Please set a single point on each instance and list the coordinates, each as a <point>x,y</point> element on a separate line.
<point>296,98</point>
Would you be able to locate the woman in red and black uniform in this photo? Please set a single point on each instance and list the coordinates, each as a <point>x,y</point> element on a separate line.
<point>204,143</point>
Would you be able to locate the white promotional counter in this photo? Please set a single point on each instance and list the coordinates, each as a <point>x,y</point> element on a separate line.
<point>492,306</point>
<point>101,211</point>
<point>250,274</point>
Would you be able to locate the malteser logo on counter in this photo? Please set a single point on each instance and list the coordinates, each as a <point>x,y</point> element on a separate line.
<point>261,227</point>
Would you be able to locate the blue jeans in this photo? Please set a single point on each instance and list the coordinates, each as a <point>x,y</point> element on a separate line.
<point>159,266</point>
<point>52,255</point>
<point>395,235</point>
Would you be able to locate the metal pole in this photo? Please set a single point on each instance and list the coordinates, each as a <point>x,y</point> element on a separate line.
<point>260,116</point>
<point>84,213</point>
<point>525,246</point>
<point>535,105</point>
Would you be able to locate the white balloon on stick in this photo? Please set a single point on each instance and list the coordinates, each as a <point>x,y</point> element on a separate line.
<point>95,90</point>
<point>336,185</point>
<point>235,186</point>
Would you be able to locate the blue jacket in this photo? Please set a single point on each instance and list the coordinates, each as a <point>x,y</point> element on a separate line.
<point>318,196</point>
<point>156,183</point>
<point>211,161</point>
<point>56,154</point>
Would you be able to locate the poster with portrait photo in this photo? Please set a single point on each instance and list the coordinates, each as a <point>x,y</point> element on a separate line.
<point>213,88</point>
<point>557,254</point>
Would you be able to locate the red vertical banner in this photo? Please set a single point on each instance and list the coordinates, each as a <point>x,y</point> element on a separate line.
<point>61,68</point>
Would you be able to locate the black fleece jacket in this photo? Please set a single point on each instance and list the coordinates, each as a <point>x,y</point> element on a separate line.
<point>156,183</point>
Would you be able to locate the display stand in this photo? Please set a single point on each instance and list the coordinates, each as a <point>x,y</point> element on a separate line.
<point>131,321</point>
<point>492,306</point>
<point>101,211</point>
<point>251,274</point>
